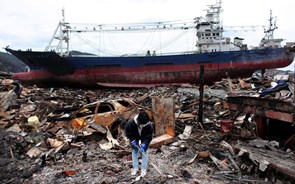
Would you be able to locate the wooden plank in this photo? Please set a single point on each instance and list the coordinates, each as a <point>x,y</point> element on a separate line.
<point>161,140</point>
<point>283,116</point>
<point>267,104</point>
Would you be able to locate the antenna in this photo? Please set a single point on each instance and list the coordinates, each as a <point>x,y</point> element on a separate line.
<point>272,26</point>
<point>63,14</point>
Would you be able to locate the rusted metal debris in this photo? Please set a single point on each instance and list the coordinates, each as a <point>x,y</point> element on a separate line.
<point>109,113</point>
<point>163,115</point>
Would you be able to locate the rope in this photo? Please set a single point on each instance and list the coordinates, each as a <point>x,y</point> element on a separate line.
<point>140,51</point>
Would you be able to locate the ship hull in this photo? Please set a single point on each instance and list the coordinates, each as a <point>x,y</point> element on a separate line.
<point>49,69</point>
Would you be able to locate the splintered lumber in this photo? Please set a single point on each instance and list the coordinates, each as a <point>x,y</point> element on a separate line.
<point>221,164</point>
<point>161,140</point>
<point>276,160</point>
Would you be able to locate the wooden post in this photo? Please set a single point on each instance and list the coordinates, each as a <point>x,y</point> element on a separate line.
<point>201,89</point>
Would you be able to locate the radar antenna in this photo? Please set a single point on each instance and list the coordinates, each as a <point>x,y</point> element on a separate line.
<point>272,26</point>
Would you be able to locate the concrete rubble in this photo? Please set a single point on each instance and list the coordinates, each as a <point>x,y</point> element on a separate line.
<point>63,135</point>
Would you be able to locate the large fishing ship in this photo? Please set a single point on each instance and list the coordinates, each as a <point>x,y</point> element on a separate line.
<point>218,55</point>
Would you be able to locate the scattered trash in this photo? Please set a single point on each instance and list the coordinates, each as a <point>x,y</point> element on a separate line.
<point>48,130</point>
<point>70,172</point>
<point>226,126</point>
<point>34,122</point>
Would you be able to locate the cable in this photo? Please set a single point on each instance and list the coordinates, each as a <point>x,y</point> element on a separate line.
<point>100,48</point>
<point>94,46</point>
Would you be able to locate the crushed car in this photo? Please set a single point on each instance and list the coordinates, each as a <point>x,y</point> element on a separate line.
<point>108,113</point>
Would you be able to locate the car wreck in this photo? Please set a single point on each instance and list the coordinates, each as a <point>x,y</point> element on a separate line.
<point>109,113</point>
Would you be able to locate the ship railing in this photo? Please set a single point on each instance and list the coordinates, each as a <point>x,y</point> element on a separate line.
<point>162,54</point>
<point>82,55</point>
<point>137,55</point>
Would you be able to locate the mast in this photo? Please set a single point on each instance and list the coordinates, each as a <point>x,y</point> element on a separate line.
<point>269,40</point>
<point>271,27</point>
<point>61,35</point>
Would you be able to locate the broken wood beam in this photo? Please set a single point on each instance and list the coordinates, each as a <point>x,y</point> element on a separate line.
<point>266,159</point>
<point>200,113</point>
<point>161,140</point>
<point>283,116</point>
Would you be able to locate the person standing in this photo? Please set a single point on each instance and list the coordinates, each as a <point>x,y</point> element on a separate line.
<point>139,131</point>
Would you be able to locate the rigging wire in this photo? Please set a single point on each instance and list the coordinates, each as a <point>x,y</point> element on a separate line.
<point>160,42</point>
<point>94,46</point>
<point>169,42</point>
<point>180,24</point>
<point>101,49</point>
<point>116,52</point>
<point>147,42</point>
<point>112,44</point>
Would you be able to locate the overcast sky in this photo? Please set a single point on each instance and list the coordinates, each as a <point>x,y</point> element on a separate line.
<point>31,23</point>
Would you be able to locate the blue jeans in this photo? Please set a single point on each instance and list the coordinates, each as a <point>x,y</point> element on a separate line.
<point>144,159</point>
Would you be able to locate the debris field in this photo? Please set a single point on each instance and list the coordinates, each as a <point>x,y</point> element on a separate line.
<point>64,135</point>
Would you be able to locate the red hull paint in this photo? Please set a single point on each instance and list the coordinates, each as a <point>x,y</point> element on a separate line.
<point>149,75</point>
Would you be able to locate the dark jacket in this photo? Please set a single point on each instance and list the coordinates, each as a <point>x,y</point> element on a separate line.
<point>131,131</point>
